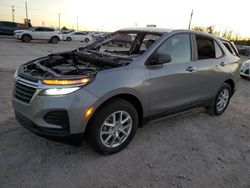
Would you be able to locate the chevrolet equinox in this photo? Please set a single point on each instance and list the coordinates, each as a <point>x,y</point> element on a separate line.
<point>107,90</point>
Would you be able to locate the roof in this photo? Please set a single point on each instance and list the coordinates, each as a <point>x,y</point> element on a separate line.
<point>164,31</point>
<point>147,29</point>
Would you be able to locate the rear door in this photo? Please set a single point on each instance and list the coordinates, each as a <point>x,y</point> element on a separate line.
<point>171,84</point>
<point>211,63</point>
<point>77,36</point>
<point>47,33</point>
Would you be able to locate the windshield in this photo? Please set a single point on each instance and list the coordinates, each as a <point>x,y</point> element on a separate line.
<point>32,28</point>
<point>130,44</point>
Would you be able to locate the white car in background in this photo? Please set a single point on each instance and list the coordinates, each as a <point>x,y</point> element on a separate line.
<point>77,36</point>
<point>39,33</point>
<point>245,69</point>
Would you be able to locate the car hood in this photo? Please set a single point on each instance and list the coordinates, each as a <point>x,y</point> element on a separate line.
<point>246,63</point>
<point>19,31</point>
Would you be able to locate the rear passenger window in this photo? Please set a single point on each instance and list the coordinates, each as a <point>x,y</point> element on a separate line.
<point>218,52</point>
<point>38,29</point>
<point>205,47</point>
<point>230,48</point>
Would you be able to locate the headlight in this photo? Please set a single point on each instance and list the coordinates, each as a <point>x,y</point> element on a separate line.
<point>59,91</point>
<point>246,65</point>
<point>82,81</point>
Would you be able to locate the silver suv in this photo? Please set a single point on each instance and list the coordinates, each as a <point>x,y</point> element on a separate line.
<point>39,33</point>
<point>106,91</point>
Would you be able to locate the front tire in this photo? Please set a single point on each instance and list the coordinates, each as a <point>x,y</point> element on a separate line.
<point>26,38</point>
<point>68,39</point>
<point>221,100</point>
<point>112,127</point>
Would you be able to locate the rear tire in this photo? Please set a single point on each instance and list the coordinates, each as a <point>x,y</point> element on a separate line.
<point>112,127</point>
<point>221,100</point>
<point>26,38</point>
<point>54,40</point>
<point>86,40</point>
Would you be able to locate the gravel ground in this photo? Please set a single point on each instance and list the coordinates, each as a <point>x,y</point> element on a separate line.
<point>188,150</point>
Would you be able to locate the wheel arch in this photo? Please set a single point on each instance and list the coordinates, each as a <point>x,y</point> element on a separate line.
<point>134,100</point>
<point>27,34</point>
<point>54,36</point>
<point>232,85</point>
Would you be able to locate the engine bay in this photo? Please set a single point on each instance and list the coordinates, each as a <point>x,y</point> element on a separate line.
<point>68,64</point>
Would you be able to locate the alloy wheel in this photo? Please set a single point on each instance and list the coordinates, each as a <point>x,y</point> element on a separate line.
<point>222,100</point>
<point>116,129</point>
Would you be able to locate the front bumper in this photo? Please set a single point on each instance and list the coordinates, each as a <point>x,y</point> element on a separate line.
<point>33,114</point>
<point>245,72</point>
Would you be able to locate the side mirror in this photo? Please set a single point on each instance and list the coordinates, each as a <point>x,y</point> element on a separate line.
<point>159,59</point>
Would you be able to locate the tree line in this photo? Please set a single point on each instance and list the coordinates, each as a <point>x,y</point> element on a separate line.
<point>228,34</point>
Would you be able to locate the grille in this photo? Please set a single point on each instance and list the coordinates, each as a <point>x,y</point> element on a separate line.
<point>24,93</point>
<point>59,118</point>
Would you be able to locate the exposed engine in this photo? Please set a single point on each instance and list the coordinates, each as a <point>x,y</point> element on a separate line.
<point>59,65</point>
<point>66,65</point>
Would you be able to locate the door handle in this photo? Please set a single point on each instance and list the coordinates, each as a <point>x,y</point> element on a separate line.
<point>222,64</point>
<point>191,69</point>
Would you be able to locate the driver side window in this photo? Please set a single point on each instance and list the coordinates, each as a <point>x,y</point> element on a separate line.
<point>178,47</point>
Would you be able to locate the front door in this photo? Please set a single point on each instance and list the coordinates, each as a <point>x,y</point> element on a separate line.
<point>171,84</point>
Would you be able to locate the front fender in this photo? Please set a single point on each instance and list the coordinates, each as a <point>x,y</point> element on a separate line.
<point>122,91</point>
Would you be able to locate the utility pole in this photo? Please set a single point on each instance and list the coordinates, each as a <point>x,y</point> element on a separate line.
<point>13,10</point>
<point>77,23</point>
<point>27,24</point>
<point>190,21</point>
<point>59,19</point>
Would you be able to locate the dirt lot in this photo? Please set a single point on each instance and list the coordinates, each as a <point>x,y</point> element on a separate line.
<point>13,52</point>
<point>189,150</point>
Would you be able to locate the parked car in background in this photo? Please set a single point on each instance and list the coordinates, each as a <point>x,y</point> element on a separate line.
<point>243,50</point>
<point>121,40</point>
<point>102,37</point>
<point>96,34</point>
<point>245,69</point>
<point>107,92</point>
<point>8,28</point>
<point>39,33</point>
<point>66,31</point>
<point>77,36</point>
